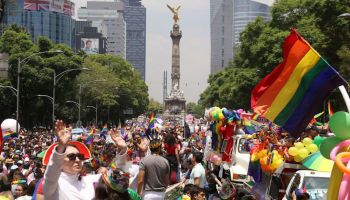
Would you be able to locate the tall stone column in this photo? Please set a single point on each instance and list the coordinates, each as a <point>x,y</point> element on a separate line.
<point>175,35</point>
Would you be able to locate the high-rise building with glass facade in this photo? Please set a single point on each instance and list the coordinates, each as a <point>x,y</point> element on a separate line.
<point>39,19</point>
<point>135,18</point>
<point>228,18</point>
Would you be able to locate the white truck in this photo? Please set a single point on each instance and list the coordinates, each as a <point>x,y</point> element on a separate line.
<point>315,183</point>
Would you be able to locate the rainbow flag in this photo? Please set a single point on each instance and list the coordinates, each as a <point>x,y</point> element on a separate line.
<point>255,116</point>
<point>90,137</point>
<point>295,90</point>
<point>8,135</point>
<point>151,122</point>
<point>330,110</point>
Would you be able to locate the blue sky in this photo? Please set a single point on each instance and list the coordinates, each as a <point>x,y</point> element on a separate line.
<point>194,45</point>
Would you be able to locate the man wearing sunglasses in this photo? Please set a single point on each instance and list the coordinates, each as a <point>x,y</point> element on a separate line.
<point>63,179</point>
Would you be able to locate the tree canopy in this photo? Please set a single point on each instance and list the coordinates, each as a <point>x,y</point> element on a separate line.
<point>121,89</point>
<point>260,48</point>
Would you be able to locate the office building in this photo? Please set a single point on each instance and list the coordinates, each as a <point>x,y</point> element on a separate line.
<point>228,18</point>
<point>135,18</point>
<point>43,18</point>
<point>109,20</point>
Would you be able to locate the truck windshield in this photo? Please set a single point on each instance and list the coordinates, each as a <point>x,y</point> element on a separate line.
<point>243,146</point>
<point>316,187</point>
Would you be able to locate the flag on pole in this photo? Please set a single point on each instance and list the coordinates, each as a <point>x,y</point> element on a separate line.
<point>295,90</point>
<point>151,122</point>
<point>90,137</point>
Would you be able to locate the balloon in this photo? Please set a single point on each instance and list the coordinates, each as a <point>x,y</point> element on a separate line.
<point>9,125</point>
<point>312,148</point>
<point>327,145</point>
<point>318,140</point>
<point>303,153</point>
<point>299,145</point>
<point>279,162</point>
<point>334,183</point>
<point>293,151</point>
<point>340,124</point>
<point>344,185</point>
<point>307,141</point>
<point>298,158</point>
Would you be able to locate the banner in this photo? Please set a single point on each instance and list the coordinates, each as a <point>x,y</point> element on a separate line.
<point>61,6</point>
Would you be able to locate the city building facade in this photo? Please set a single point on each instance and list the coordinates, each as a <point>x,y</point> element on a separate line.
<point>41,18</point>
<point>108,18</point>
<point>228,18</point>
<point>135,18</point>
<point>91,41</point>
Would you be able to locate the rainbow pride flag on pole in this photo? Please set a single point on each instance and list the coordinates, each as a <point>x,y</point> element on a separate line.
<point>8,135</point>
<point>90,137</point>
<point>151,122</point>
<point>295,90</point>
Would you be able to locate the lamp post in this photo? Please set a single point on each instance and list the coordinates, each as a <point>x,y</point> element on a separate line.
<point>78,105</point>
<point>80,89</point>
<point>95,112</point>
<point>20,62</point>
<point>52,101</point>
<point>10,87</point>
<point>56,78</point>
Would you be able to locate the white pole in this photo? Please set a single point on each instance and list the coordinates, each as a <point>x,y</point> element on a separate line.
<point>345,96</point>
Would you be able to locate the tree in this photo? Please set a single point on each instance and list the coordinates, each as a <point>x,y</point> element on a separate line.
<point>196,110</point>
<point>260,46</point>
<point>37,74</point>
<point>154,106</point>
<point>121,89</point>
<point>230,88</point>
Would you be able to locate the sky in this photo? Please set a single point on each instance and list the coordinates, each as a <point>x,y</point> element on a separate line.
<point>194,45</point>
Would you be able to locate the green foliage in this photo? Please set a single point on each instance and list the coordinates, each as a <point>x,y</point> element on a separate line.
<point>196,110</point>
<point>37,72</point>
<point>230,88</point>
<point>261,48</point>
<point>154,106</point>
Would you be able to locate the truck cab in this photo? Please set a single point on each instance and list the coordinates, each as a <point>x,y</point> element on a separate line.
<point>315,183</point>
<point>241,158</point>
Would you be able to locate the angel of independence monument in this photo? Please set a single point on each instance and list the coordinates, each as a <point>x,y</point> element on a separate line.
<point>175,103</point>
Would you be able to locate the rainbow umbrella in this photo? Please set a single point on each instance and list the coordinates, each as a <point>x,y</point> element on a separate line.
<point>317,162</point>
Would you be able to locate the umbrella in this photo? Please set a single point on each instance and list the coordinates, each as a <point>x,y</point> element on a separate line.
<point>318,163</point>
<point>41,154</point>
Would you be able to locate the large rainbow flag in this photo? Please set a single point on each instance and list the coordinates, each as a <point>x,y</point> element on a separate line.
<point>295,90</point>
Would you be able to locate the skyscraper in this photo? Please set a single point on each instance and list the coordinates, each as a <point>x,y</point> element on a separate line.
<point>108,18</point>
<point>40,18</point>
<point>228,18</point>
<point>135,18</point>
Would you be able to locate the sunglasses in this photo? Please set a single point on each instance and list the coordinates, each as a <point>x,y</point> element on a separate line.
<point>73,156</point>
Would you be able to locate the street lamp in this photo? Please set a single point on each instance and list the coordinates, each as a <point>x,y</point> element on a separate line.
<point>78,105</point>
<point>56,78</point>
<point>345,15</point>
<point>80,89</point>
<point>24,61</point>
<point>10,87</point>
<point>52,101</point>
<point>95,112</point>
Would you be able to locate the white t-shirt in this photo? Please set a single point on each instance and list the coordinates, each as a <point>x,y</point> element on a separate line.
<point>198,171</point>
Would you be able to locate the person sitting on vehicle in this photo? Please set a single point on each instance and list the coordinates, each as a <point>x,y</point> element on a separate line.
<point>300,194</point>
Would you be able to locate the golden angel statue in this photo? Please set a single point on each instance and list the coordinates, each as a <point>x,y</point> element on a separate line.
<point>175,11</point>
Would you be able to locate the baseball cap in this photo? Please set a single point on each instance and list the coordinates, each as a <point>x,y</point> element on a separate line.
<point>13,167</point>
<point>26,159</point>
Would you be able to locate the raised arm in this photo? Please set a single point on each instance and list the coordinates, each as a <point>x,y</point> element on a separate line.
<point>54,168</point>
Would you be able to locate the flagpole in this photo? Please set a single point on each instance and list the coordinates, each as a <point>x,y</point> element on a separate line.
<point>345,96</point>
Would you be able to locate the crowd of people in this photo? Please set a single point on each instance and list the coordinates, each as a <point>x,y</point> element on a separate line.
<point>130,162</point>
